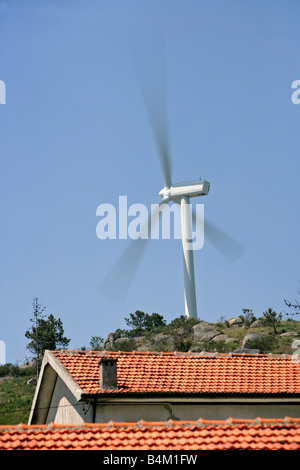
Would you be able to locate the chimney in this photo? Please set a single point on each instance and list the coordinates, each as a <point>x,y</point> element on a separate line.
<point>108,373</point>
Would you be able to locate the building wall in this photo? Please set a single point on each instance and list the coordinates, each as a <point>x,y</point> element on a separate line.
<point>162,412</point>
<point>64,407</point>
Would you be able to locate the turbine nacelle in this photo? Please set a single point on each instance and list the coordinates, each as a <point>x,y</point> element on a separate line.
<point>189,189</point>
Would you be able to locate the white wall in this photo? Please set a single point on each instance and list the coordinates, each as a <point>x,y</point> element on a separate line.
<point>159,412</point>
<point>65,409</point>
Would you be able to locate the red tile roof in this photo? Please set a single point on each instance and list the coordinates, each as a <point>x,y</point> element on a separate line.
<point>188,373</point>
<point>233,434</point>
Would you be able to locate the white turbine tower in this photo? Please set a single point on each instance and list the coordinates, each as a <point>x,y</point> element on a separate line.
<point>181,194</point>
<point>116,284</point>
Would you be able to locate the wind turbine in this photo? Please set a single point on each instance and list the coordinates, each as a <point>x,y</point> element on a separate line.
<point>117,282</point>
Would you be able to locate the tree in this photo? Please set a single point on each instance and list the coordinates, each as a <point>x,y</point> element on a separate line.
<point>272,318</point>
<point>96,343</point>
<point>183,324</point>
<point>248,316</point>
<point>46,333</point>
<point>295,306</point>
<point>155,320</point>
<point>141,321</point>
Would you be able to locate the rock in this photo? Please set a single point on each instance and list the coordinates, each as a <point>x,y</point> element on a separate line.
<point>109,341</point>
<point>209,335</point>
<point>219,337</point>
<point>235,321</point>
<point>121,340</point>
<point>289,333</point>
<point>257,324</point>
<point>140,338</point>
<point>250,337</point>
<point>27,366</point>
<point>227,339</point>
<point>243,350</point>
<point>159,339</point>
<point>204,331</point>
<point>200,328</point>
<point>144,346</point>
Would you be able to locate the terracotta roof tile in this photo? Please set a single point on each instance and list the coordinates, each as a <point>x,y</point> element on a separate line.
<point>259,434</point>
<point>190,373</point>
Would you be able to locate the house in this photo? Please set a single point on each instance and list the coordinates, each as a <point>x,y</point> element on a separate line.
<point>232,434</point>
<point>101,386</point>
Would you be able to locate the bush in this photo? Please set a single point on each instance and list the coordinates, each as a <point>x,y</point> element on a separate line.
<point>181,326</point>
<point>126,345</point>
<point>216,346</point>
<point>16,371</point>
<point>222,323</point>
<point>272,318</point>
<point>182,345</point>
<point>248,317</point>
<point>269,343</point>
<point>141,322</point>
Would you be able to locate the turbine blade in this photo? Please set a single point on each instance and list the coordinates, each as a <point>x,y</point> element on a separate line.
<point>116,284</point>
<point>228,246</point>
<point>149,60</point>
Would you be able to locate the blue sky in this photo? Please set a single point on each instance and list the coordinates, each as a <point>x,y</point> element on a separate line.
<point>75,134</point>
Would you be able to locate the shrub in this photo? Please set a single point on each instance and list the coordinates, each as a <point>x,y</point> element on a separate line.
<point>248,317</point>
<point>269,343</point>
<point>272,318</point>
<point>126,345</point>
<point>16,371</point>
<point>182,345</point>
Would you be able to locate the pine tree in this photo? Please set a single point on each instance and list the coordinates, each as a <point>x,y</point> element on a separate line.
<point>46,333</point>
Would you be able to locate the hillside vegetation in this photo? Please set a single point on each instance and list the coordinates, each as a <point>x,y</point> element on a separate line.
<point>239,334</point>
<point>243,334</point>
<point>15,395</point>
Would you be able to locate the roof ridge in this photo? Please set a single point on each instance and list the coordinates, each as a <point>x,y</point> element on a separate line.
<point>288,420</point>
<point>105,352</point>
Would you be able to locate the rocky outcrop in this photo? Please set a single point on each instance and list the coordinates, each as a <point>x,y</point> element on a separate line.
<point>160,339</point>
<point>109,341</point>
<point>225,338</point>
<point>252,337</point>
<point>242,350</point>
<point>289,333</point>
<point>207,332</point>
<point>198,337</point>
<point>121,340</point>
<point>235,321</point>
<point>249,340</point>
<point>204,331</point>
<point>257,324</point>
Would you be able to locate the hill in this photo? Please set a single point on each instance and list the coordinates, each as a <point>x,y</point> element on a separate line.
<point>15,395</point>
<point>237,334</point>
